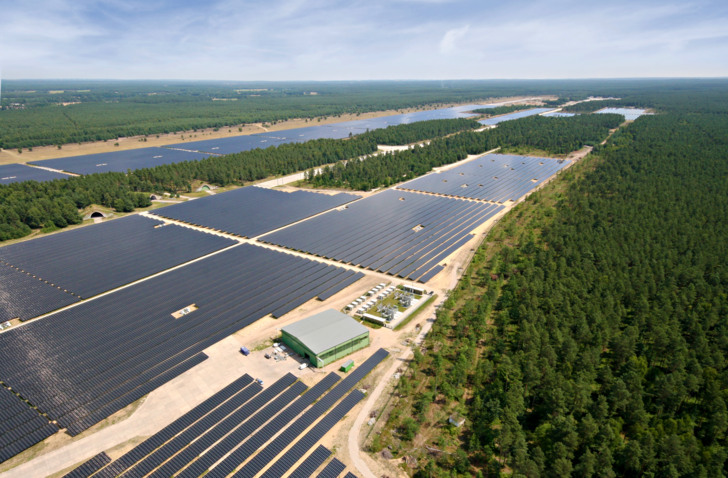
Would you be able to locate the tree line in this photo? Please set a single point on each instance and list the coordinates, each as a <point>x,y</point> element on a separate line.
<point>501,110</point>
<point>588,336</point>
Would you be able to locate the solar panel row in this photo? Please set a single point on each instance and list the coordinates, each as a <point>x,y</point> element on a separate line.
<point>268,454</point>
<point>629,114</point>
<point>212,434</point>
<point>90,360</point>
<point>23,296</point>
<point>101,257</point>
<point>20,425</point>
<point>120,161</point>
<point>160,455</point>
<point>396,232</point>
<point>309,440</point>
<point>332,470</point>
<point>253,211</point>
<point>311,464</point>
<point>256,441</point>
<point>162,436</point>
<point>90,467</point>
<point>494,177</point>
<point>350,475</point>
<point>514,116</point>
<point>215,451</point>
<point>16,173</point>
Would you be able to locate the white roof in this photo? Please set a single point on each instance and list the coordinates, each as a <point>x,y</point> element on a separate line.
<point>325,330</point>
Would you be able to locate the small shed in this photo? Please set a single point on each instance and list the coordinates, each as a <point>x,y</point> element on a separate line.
<point>456,419</point>
<point>347,366</point>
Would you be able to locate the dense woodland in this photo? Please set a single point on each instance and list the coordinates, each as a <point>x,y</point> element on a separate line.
<point>105,110</point>
<point>501,110</point>
<point>554,135</point>
<point>421,130</point>
<point>589,336</point>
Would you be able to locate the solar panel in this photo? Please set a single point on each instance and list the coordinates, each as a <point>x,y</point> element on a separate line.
<point>223,427</point>
<point>120,161</point>
<point>92,360</point>
<point>16,173</point>
<point>90,467</point>
<point>112,254</point>
<point>389,232</point>
<point>25,296</point>
<point>167,450</point>
<point>332,470</point>
<point>350,475</point>
<point>311,464</point>
<point>162,436</point>
<point>286,462</point>
<point>252,211</point>
<point>513,116</point>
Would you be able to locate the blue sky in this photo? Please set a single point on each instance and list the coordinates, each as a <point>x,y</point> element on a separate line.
<point>341,40</point>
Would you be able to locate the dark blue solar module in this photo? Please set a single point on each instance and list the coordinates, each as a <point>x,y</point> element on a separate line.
<point>513,116</point>
<point>84,363</point>
<point>493,177</point>
<point>396,232</point>
<point>16,173</point>
<point>101,257</point>
<point>23,296</point>
<point>252,211</point>
<point>120,161</point>
<point>331,131</point>
<point>20,425</point>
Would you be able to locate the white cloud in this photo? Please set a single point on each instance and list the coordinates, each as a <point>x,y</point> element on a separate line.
<point>448,42</point>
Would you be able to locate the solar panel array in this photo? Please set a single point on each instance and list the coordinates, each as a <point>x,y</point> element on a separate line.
<point>396,232</point>
<point>350,475</point>
<point>292,456</point>
<point>153,442</point>
<point>311,464</point>
<point>16,173</point>
<point>493,177</point>
<point>214,452</point>
<point>120,161</point>
<point>90,467</point>
<point>268,454</point>
<point>253,211</point>
<point>341,130</point>
<point>92,360</point>
<point>629,114</point>
<point>332,470</point>
<point>20,425</point>
<point>97,258</point>
<point>23,296</point>
<point>514,116</point>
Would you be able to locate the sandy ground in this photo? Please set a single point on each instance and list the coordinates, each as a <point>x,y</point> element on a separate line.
<point>8,156</point>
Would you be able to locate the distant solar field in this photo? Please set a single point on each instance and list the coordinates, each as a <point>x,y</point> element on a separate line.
<point>493,177</point>
<point>630,114</point>
<point>100,257</point>
<point>513,116</point>
<point>16,173</point>
<point>252,211</point>
<point>81,365</point>
<point>559,114</point>
<point>120,161</point>
<point>400,233</point>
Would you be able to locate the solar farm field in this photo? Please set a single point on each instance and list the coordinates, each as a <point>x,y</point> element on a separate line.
<point>630,114</point>
<point>400,233</point>
<point>97,258</point>
<point>82,364</point>
<point>120,161</point>
<point>494,177</point>
<point>17,173</point>
<point>252,211</point>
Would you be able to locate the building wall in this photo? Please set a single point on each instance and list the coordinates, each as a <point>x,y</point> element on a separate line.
<point>328,356</point>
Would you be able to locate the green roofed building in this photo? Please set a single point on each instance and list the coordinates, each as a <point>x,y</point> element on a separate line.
<point>325,337</point>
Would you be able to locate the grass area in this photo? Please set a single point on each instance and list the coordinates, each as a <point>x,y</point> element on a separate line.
<point>371,325</point>
<point>416,312</point>
<point>264,344</point>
